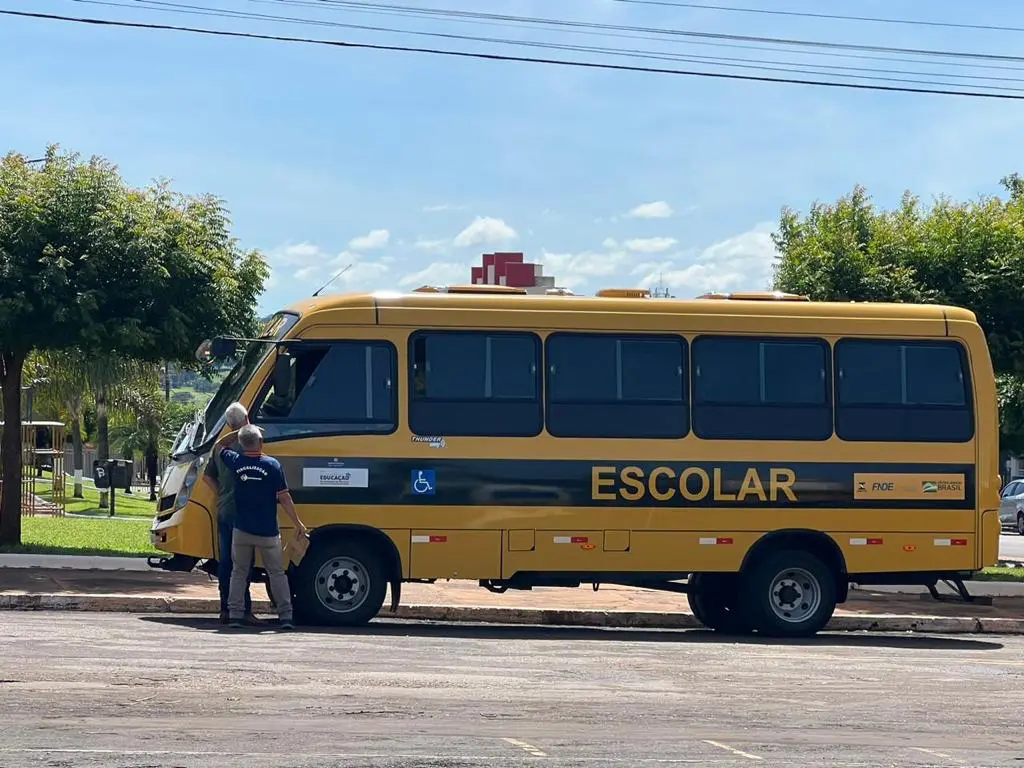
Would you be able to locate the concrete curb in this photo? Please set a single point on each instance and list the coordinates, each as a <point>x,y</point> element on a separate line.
<point>77,563</point>
<point>114,603</point>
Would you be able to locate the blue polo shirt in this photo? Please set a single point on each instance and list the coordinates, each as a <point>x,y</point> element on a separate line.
<point>259,480</point>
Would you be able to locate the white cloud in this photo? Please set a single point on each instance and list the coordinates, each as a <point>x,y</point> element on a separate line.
<point>610,242</point>
<point>308,273</point>
<point>438,273</point>
<point>743,262</point>
<point>485,230</point>
<point>426,244</point>
<point>376,238</point>
<point>573,269</point>
<point>656,210</point>
<point>650,244</point>
<point>296,253</point>
<point>443,207</point>
<point>316,266</point>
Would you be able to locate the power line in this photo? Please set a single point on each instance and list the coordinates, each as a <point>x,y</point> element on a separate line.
<point>536,20</point>
<point>500,57</point>
<point>382,9</point>
<point>769,65</point>
<point>831,16</point>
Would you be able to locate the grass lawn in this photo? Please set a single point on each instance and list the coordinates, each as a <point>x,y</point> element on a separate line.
<point>135,505</point>
<point>1001,574</point>
<point>77,536</point>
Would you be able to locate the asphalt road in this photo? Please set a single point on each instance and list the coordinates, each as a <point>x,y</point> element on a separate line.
<point>106,691</point>
<point>1011,547</point>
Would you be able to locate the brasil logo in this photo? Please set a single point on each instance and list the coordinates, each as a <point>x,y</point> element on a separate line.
<point>929,486</point>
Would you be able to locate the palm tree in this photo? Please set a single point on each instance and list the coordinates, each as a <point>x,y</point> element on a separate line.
<point>111,382</point>
<point>66,394</point>
<point>123,385</point>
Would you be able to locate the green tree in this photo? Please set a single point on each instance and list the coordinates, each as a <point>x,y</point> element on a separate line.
<point>88,262</point>
<point>967,254</point>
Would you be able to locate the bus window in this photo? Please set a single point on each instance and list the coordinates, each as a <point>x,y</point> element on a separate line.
<point>474,383</point>
<point>761,389</point>
<point>621,386</point>
<point>339,388</point>
<point>896,391</point>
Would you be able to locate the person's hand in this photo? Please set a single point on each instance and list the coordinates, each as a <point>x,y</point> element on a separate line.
<point>302,530</point>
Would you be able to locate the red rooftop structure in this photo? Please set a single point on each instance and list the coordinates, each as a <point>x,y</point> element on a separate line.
<point>513,270</point>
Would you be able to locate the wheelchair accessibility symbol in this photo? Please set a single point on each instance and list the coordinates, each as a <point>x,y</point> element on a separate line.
<point>423,482</point>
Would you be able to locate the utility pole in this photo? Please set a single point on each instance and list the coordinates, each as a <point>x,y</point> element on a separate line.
<point>167,381</point>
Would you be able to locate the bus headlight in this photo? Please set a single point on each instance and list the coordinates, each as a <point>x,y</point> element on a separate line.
<point>186,487</point>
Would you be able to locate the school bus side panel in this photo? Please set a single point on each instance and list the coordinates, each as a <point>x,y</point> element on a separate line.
<point>986,412</point>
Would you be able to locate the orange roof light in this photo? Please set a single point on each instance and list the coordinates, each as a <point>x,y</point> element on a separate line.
<point>624,293</point>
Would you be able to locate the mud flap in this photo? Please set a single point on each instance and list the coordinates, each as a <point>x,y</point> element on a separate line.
<point>396,592</point>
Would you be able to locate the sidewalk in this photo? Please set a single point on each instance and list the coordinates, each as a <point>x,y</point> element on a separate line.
<point>156,591</point>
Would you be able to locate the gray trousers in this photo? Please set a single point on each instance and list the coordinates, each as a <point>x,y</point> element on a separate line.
<point>243,547</point>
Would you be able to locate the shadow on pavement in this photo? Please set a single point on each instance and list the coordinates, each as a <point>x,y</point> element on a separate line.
<point>469,631</point>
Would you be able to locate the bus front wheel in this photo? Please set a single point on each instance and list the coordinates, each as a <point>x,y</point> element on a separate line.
<point>789,594</point>
<point>340,582</point>
<point>714,600</point>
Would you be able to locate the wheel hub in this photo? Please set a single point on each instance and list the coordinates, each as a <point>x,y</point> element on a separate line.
<point>341,584</point>
<point>795,595</point>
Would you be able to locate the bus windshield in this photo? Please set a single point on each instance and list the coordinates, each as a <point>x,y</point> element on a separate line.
<point>234,383</point>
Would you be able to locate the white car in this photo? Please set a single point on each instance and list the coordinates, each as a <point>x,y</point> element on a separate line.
<point>1011,506</point>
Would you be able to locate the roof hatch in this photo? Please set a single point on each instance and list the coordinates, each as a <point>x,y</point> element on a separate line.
<point>755,296</point>
<point>503,289</point>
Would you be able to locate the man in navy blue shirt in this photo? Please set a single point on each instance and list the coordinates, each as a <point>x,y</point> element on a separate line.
<point>259,486</point>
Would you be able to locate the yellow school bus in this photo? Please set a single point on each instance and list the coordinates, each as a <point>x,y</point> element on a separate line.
<point>758,452</point>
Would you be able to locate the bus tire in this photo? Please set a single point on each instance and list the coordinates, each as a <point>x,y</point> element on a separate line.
<point>340,582</point>
<point>789,593</point>
<point>714,600</point>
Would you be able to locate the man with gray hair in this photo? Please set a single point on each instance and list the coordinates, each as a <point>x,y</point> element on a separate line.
<point>222,480</point>
<point>259,486</point>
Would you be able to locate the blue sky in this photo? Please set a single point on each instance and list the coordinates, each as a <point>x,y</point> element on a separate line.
<point>410,166</point>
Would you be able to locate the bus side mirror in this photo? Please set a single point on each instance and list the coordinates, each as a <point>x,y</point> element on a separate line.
<point>212,350</point>
<point>282,373</point>
<point>223,348</point>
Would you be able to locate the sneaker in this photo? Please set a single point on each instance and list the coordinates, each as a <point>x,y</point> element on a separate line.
<point>223,617</point>
<point>236,624</point>
<point>287,625</point>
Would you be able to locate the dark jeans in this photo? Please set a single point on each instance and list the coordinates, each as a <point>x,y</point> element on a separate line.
<point>224,566</point>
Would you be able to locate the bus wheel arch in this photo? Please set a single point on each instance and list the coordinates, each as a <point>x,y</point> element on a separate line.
<point>362,560</point>
<point>792,581</point>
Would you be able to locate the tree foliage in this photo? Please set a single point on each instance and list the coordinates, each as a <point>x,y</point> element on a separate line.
<point>967,254</point>
<point>90,263</point>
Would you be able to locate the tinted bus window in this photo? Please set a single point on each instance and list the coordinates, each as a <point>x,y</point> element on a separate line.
<point>469,383</point>
<point>627,386</point>
<point>761,389</point>
<point>896,391</point>
<point>338,388</point>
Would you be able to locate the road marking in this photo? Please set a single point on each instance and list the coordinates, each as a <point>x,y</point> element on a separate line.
<point>932,752</point>
<point>735,751</point>
<point>526,747</point>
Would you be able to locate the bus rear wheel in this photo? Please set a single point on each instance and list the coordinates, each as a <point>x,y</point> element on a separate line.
<point>715,601</point>
<point>789,594</point>
<point>340,582</point>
